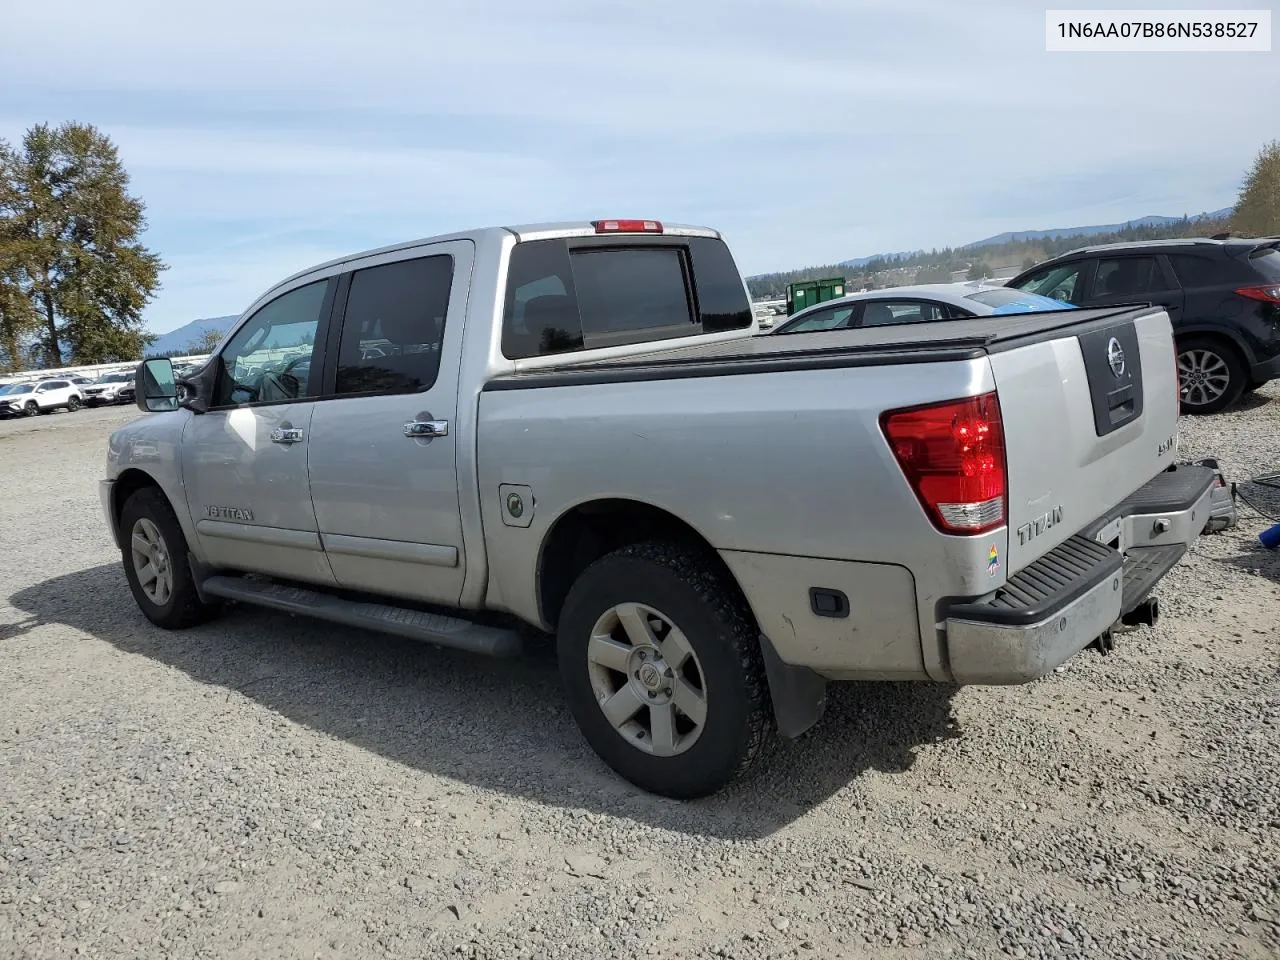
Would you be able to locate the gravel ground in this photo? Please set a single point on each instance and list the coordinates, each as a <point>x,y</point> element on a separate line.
<point>269,787</point>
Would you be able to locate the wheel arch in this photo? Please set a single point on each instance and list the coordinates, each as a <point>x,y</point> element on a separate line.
<point>126,485</point>
<point>588,530</point>
<point>1227,336</point>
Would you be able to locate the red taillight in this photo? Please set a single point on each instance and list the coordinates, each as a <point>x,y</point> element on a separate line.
<point>1177,380</point>
<point>953,456</point>
<point>628,226</point>
<point>1267,292</point>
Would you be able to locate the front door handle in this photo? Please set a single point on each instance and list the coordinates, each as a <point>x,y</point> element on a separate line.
<point>286,435</point>
<point>426,429</point>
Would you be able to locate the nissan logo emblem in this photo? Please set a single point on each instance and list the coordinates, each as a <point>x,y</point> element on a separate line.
<point>1115,357</point>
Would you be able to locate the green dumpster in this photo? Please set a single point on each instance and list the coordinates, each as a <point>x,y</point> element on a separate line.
<point>805,293</point>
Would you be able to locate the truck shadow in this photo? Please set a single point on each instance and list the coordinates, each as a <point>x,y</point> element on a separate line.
<point>499,725</point>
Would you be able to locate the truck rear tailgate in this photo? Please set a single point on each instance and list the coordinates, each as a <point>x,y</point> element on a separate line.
<point>1090,415</point>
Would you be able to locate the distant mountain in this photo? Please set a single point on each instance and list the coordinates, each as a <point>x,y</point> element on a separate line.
<point>185,337</point>
<point>863,261</point>
<point>1061,232</point>
<point>1045,235</point>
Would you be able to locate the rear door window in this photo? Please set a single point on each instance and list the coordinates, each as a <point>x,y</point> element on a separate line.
<point>564,296</point>
<point>885,313</point>
<point>394,325</point>
<point>1127,277</point>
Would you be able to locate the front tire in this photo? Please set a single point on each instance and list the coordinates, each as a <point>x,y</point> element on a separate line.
<point>661,665</point>
<point>1211,375</point>
<point>154,552</point>
<point>31,408</point>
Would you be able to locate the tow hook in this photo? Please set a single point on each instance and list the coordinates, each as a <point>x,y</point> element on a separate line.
<point>1105,642</point>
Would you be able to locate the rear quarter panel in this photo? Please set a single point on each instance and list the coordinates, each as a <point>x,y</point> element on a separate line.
<point>781,463</point>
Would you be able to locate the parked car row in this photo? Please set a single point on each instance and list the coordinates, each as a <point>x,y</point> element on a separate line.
<point>64,393</point>
<point>1222,296</point>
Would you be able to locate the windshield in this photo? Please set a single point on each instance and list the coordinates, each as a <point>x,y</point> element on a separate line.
<point>18,388</point>
<point>1006,300</point>
<point>113,378</point>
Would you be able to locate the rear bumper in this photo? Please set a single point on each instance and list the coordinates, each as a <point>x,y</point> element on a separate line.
<point>1057,606</point>
<point>1265,370</point>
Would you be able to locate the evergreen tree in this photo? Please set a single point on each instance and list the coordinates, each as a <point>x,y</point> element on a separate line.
<point>18,319</point>
<point>207,342</point>
<point>70,229</point>
<point>1257,212</point>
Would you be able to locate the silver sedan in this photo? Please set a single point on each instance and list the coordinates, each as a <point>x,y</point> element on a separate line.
<point>923,303</point>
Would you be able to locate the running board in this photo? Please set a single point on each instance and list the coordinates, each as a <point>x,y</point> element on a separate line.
<point>436,628</point>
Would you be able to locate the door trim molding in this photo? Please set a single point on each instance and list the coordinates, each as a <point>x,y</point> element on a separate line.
<point>247,533</point>
<point>431,554</point>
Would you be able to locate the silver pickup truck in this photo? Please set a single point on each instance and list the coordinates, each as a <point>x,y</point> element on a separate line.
<point>572,428</point>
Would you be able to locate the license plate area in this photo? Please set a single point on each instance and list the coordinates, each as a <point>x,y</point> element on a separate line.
<point>1114,370</point>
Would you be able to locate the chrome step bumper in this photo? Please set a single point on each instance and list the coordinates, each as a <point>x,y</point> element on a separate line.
<point>1055,607</point>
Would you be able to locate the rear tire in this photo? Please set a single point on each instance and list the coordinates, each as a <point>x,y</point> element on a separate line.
<point>73,405</point>
<point>1211,375</point>
<point>659,633</point>
<point>154,552</point>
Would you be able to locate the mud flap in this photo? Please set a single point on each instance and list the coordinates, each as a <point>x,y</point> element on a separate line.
<point>799,695</point>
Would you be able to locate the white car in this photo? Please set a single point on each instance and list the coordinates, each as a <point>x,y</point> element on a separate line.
<point>40,396</point>
<point>111,388</point>
<point>922,303</point>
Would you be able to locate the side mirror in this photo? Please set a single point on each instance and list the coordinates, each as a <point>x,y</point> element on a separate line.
<point>156,389</point>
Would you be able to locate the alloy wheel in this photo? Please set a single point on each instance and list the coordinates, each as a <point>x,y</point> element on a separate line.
<point>647,679</point>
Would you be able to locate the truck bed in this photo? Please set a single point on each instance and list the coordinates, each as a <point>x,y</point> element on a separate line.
<point>941,341</point>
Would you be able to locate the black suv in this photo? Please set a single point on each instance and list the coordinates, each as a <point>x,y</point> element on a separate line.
<point>1223,297</point>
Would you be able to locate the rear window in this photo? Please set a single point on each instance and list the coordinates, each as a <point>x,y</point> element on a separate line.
<point>562,298</point>
<point>1193,271</point>
<point>1267,262</point>
<point>1006,300</point>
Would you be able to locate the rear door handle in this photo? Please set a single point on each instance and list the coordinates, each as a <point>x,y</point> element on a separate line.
<point>426,429</point>
<point>286,435</point>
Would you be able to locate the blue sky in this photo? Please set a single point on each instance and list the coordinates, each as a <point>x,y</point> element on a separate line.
<point>265,136</point>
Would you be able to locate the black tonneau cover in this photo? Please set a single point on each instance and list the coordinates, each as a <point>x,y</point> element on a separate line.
<point>944,340</point>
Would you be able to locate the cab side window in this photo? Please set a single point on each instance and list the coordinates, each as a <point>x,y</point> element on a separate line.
<point>270,358</point>
<point>393,327</point>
